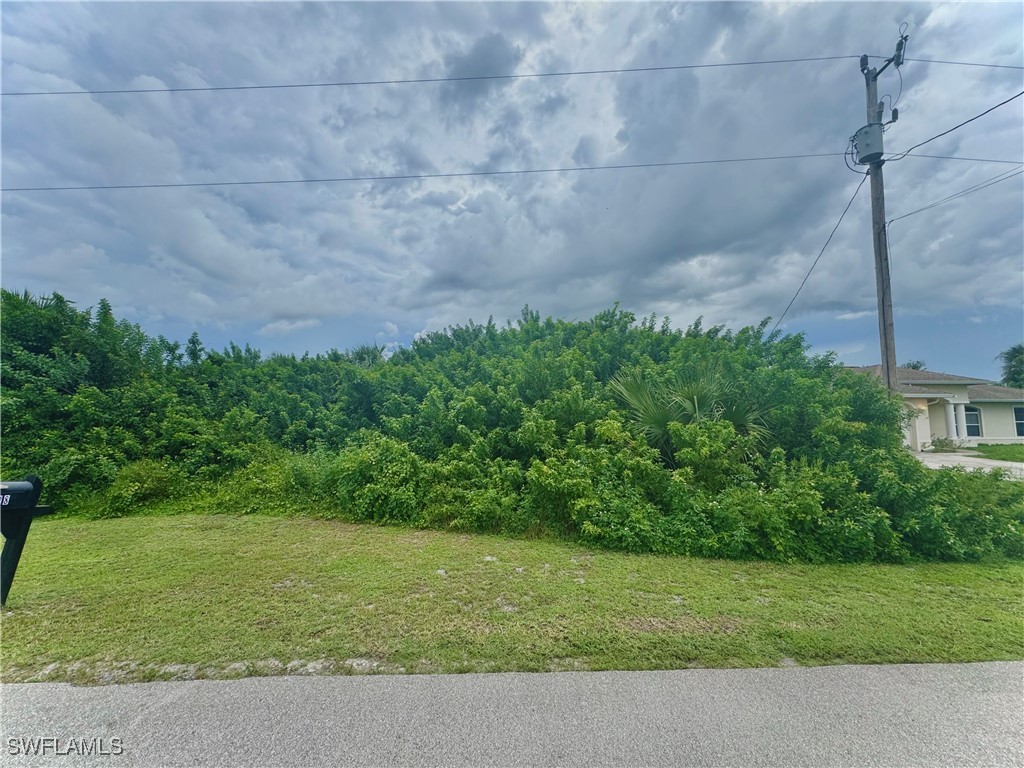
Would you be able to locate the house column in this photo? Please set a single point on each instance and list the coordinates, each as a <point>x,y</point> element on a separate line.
<point>950,422</point>
<point>961,421</point>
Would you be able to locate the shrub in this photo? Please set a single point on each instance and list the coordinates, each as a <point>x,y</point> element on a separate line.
<point>139,483</point>
<point>797,510</point>
<point>946,514</point>
<point>611,494</point>
<point>275,482</point>
<point>86,468</point>
<point>851,528</point>
<point>380,480</point>
<point>467,492</point>
<point>715,453</point>
<point>983,513</point>
<point>944,444</point>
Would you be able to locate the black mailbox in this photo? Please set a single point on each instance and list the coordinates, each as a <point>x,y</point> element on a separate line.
<point>19,503</point>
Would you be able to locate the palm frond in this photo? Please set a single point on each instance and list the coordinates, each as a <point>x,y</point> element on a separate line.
<point>746,419</point>
<point>699,392</point>
<point>650,409</point>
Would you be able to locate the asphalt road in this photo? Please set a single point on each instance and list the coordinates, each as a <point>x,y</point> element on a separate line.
<point>902,715</point>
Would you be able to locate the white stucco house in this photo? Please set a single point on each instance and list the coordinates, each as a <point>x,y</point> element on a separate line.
<point>968,411</point>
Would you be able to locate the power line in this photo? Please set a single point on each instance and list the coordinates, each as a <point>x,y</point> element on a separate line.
<point>407,177</point>
<point>777,322</point>
<point>410,81</point>
<point>958,63</point>
<point>422,79</point>
<point>964,192</point>
<point>961,125</point>
<point>971,159</point>
<point>412,177</point>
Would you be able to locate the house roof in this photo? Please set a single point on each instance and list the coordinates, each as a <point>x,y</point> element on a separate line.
<point>912,376</point>
<point>990,393</point>
<point>978,390</point>
<point>910,390</point>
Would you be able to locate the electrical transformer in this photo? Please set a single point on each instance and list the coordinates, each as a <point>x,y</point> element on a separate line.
<point>869,144</point>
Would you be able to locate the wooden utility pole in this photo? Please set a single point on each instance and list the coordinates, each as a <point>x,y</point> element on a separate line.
<point>886,330</point>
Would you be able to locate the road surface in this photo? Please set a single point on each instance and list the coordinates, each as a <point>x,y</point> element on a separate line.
<point>898,715</point>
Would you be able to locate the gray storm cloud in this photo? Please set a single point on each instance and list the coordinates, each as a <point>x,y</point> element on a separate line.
<point>728,241</point>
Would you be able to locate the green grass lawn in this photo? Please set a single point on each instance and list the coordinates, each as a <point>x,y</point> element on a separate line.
<point>1002,452</point>
<point>222,596</point>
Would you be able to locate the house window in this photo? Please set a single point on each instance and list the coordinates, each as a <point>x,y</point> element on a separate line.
<point>1018,417</point>
<point>973,417</point>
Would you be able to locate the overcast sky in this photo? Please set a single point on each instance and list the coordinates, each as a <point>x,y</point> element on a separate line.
<point>300,267</point>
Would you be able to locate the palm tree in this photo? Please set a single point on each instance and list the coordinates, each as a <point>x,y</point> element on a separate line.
<point>1013,366</point>
<point>703,394</point>
<point>651,408</point>
<point>366,355</point>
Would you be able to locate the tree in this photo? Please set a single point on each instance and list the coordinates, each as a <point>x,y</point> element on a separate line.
<point>194,349</point>
<point>915,365</point>
<point>1013,366</point>
<point>366,355</point>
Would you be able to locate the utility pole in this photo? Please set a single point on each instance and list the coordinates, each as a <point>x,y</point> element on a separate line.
<point>886,329</point>
<point>869,152</point>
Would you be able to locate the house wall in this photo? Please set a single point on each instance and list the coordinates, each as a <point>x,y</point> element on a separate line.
<point>919,432</point>
<point>997,423</point>
<point>937,420</point>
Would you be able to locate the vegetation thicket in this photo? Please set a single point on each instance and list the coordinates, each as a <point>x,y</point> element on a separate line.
<point>622,434</point>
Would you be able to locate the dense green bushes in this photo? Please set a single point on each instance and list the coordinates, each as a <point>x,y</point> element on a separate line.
<point>629,436</point>
<point>140,483</point>
<point>379,481</point>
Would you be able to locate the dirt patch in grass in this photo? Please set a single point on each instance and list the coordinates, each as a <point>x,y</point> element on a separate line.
<point>685,625</point>
<point>114,672</point>
<point>567,665</point>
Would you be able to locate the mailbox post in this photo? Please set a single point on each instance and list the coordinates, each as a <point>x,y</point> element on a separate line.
<point>20,503</point>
